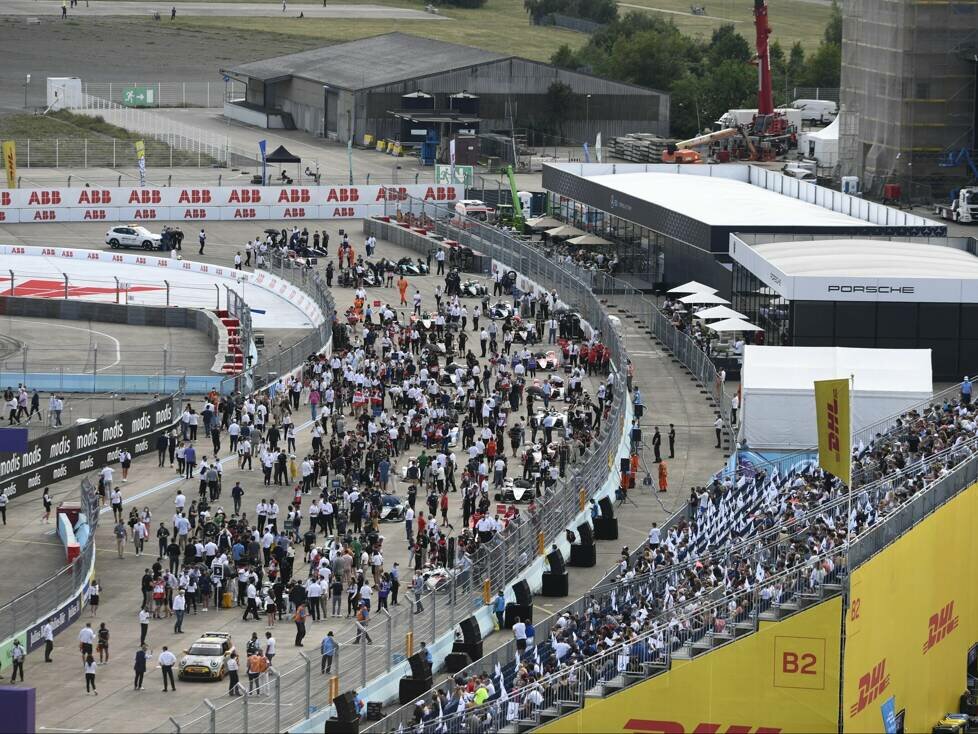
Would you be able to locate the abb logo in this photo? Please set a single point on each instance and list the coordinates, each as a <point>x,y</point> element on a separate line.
<point>195,196</point>
<point>343,212</point>
<point>343,195</point>
<point>654,726</point>
<point>245,214</point>
<point>45,215</point>
<point>94,196</point>
<point>3,216</point>
<point>94,256</point>
<point>18,251</point>
<point>940,626</point>
<point>440,193</point>
<point>195,214</point>
<point>245,196</point>
<point>95,214</point>
<point>871,686</point>
<point>145,214</point>
<point>5,198</point>
<point>294,196</point>
<point>44,198</point>
<point>295,213</point>
<point>145,196</point>
<point>391,194</point>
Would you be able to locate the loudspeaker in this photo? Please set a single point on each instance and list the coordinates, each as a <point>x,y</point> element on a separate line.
<point>346,706</point>
<point>473,651</point>
<point>606,528</point>
<point>556,561</point>
<point>411,689</point>
<point>456,661</point>
<point>624,465</point>
<point>524,597</point>
<point>583,556</point>
<point>525,613</point>
<point>419,666</point>
<point>335,726</point>
<point>607,509</point>
<point>555,584</point>
<point>470,630</point>
<point>585,534</point>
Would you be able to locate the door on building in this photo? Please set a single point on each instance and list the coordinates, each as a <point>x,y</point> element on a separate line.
<point>332,105</point>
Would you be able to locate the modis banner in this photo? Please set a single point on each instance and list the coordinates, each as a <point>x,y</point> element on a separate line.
<point>834,430</point>
<point>912,617</point>
<point>10,162</point>
<point>782,679</point>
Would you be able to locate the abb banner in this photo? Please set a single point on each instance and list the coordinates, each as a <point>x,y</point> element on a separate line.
<point>259,278</point>
<point>212,203</point>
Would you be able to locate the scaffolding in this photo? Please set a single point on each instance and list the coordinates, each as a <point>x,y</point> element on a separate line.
<point>908,97</point>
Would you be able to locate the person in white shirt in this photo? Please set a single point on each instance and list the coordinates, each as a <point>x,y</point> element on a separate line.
<point>519,634</point>
<point>167,661</point>
<point>139,534</point>
<point>47,634</point>
<point>87,639</point>
<point>179,606</point>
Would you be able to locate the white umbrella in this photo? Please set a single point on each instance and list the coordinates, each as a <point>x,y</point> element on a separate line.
<point>708,298</point>
<point>565,231</point>
<point>692,287</point>
<point>543,223</point>
<point>733,325</point>
<point>587,239</point>
<point>719,312</point>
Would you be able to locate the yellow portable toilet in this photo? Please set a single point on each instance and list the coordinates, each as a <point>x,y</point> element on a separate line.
<point>368,140</point>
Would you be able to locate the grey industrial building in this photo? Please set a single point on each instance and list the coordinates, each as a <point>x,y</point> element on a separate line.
<point>359,87</point>
<point>908,96</point>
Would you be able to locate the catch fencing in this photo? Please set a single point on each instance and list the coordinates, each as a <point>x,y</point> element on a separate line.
<point>166,94</point>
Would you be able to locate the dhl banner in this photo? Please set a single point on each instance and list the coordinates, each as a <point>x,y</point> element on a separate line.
<point>782,679</point>
<point>10,162</point>
<point>912,618</point>
<point>832,408</point>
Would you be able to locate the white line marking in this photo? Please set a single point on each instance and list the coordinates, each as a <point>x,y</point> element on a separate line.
<point>118,347</point>
<point>58,728</point>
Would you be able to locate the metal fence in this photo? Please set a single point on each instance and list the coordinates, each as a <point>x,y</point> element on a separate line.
<point>166,94</point>
<point>107,153</point>
<point>31,606</point>
<point>300,691</point>
<point>190,145</point>
<point>829,93</point>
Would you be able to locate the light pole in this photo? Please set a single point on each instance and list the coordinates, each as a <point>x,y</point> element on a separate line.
<point>587,117</point>
<point>27,83</point>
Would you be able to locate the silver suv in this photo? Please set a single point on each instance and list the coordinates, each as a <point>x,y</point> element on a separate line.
<point>132,235</point>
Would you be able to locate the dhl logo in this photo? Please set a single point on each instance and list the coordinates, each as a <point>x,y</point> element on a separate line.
<point>871,686</point>
<point>832,412</point>
<point>654,726</point>
<point>940,626</point>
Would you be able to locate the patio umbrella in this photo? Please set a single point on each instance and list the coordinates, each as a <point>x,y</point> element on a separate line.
<point>543,223</point>
<point>587,239</point>
<point>719,312</point>
<point>565,231</point>
<point>708,298</point>
<point>692,287</point>
<point>733,325</point>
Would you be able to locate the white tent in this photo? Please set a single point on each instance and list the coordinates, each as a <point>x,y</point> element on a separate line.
<point>733,325</point>
<point>779,392</point>
<point>692,287</point>
<point>565,230</point>
<point>719,312</point>
<point>704,298</point>
<point>586,240</point>
<point>543,223</point>
<point>822,145</point>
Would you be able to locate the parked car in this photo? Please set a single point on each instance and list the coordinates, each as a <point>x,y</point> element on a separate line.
<point>131,235</point>
<point>207,658</point>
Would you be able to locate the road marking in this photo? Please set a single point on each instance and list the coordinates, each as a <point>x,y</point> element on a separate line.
<point>58,728</point>
<point>118,347</point>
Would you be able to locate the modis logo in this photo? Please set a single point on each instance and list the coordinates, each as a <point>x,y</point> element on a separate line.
<point>654,726</point>
<point>195,196</point>
<point>44,198</point>
<point>832,417</point>
<point>145,196</point>
<point>294,196</point>
<point>871,687</point>
<point>94,196</point>
<point>940,626</point>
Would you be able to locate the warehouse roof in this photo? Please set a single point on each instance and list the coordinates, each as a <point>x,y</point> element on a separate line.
<point>369,62</point>
<point>859,258</point>
<point>724,202</point>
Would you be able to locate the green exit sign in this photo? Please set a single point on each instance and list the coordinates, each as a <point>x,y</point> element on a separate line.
<point>139,97</point>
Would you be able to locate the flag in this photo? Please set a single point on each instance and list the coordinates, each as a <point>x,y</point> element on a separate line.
<point>141,161</point>
<point>10,162</point>
<point>349,157</point>
<point>587,154</point>
<point>262,144</point>
<point>834,429</point>
<point>451,157</point>
<point>597,148</point>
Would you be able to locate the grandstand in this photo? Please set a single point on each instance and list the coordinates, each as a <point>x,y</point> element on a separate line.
<point>753,549</point>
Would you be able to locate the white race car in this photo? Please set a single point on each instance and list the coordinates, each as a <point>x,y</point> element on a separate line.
<point>207,658</point>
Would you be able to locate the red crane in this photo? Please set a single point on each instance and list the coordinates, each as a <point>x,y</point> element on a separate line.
<point>765,95</point>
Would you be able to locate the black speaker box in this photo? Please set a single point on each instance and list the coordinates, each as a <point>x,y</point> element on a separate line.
<point>470,630</point>
<point>556,561</point>
<point>607,508</point>
<point>473,651</point>
<point>555,584</point>
<point>524,597</point>
<point>419,666</point>
<point>585,534</point>
<point>525,613</point>
<point>346,706</point>
<point>583,556</point>
<point>606,528</point>
<point>456,661</point>
<point>335,726</point>
<point>411,689</point>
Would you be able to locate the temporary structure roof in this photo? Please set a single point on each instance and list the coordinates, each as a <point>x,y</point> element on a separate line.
<point>543,223</point>
<point>565,231</point>
<point>719,312</point>
<point>733,325</point>
<point>692,287</point>
<point>703,298</point>
<point>588,239</point>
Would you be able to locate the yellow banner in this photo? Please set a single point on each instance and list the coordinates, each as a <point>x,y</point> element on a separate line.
<point>140,150</point>
<point>834,429</point>
<point>10,162</point>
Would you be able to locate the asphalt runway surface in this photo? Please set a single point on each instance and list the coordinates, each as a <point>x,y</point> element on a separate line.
<point>41,8</point>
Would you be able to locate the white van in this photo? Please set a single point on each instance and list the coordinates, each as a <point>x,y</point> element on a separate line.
<point>816,110</point>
